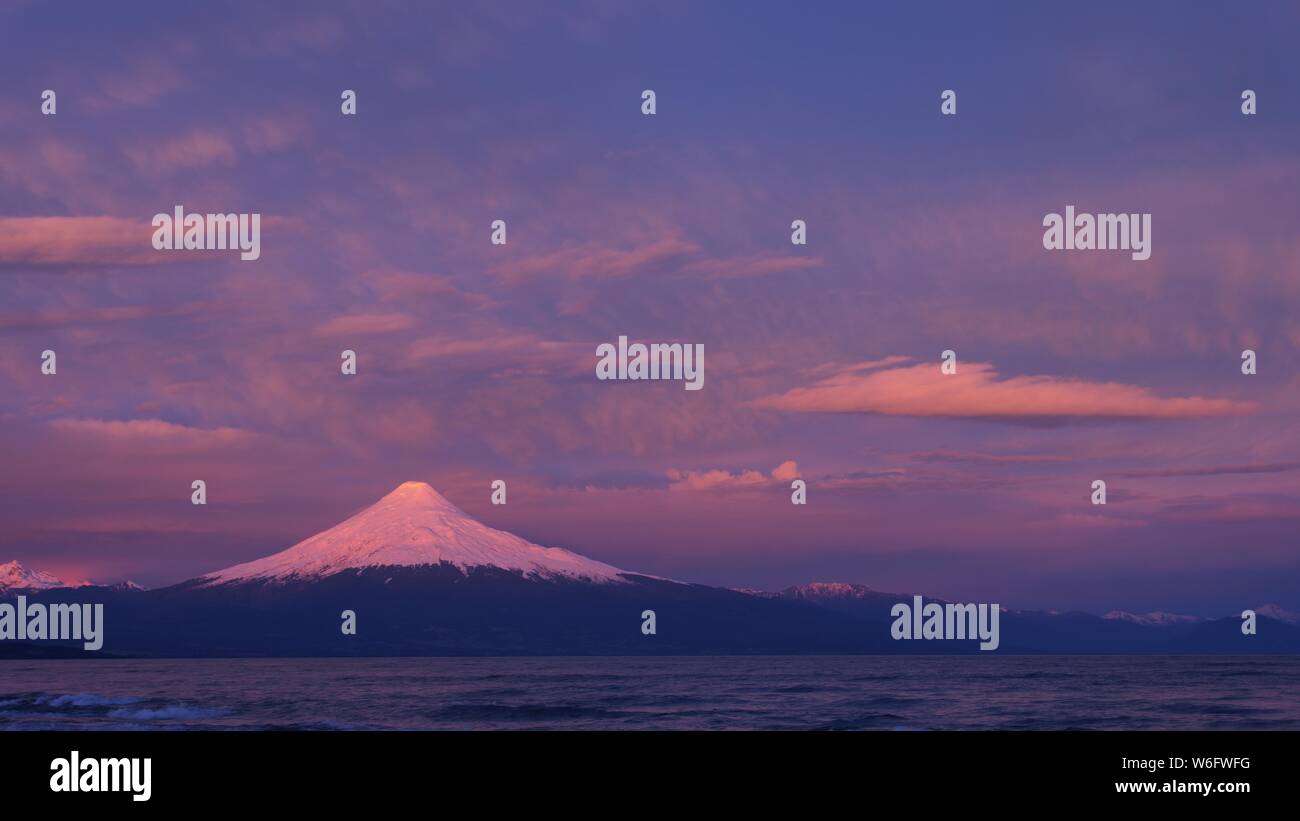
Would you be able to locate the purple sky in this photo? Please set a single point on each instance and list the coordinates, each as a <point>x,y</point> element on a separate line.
<point>477,362</point>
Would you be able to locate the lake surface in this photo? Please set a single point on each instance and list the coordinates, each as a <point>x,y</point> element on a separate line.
<point>643,693</point>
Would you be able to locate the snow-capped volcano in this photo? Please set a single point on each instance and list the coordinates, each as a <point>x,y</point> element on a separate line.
<point>414,526</point>
<point>13,576</point>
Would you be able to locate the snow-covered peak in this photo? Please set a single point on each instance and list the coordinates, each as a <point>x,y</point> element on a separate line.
<point>754,591</point>
<point>414,525</point>
<point>419,495</point>
<point>1274,611</point>
<point>1153,619</point>
<point>828,590</point>
<point>13,576</point>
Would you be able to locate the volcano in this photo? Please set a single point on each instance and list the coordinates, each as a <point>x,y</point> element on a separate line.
<point>414,526</point>
<point>422,577</point>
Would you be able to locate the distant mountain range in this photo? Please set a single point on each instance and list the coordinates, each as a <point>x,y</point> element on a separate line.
<point>16,578</point>
<point>424,578</point>
<point>13,576</point>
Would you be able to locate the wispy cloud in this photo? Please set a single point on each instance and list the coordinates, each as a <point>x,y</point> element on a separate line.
<point>364,324</point>
<point>670,256</point>
<point>720,479</point>
<point>51,241</point>
<point>977,391</point>
<point>945,455</point>
<point>1211,470</point>
<point>196,148</point>
<point>154,435</point>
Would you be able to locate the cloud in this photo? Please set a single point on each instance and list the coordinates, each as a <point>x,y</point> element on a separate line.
<point>83,318</point>
<point>668,256</point>
<point>719,479</point>
<point>869,365</point>
<point>97,241</point>
<point>750,266</point>
<point>155,435</point>
<point>504,352</point>
<point>361,324</point>
<point>977,392</point>
<point>945,455</point>
<point>75,240</point>
<point>1212,470</point>
<point>197,148</point>
<point>786,471</point>
<point>1236,508</point>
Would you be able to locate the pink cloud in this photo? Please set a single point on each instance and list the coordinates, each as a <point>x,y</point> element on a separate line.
<point>76,240</point>
<point>977,391</point>
<point>720,479</point>
<point>749,266</point>
<point>786,471</point>
<point>197,148</point>
<point>153,434</point>
<point>362,324</point>
<point>512,352</point>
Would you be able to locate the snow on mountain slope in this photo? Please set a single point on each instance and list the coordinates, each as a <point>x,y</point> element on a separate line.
<point>414,525</point>
<point>1153,619</point>
<point>13,576</point>
<point>1274,611</point>
<point>827,590</point>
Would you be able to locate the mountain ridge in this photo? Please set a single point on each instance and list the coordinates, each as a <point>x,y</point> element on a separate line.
<point>420,577</point>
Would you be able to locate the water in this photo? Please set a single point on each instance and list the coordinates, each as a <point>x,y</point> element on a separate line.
<point>763,692</point>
